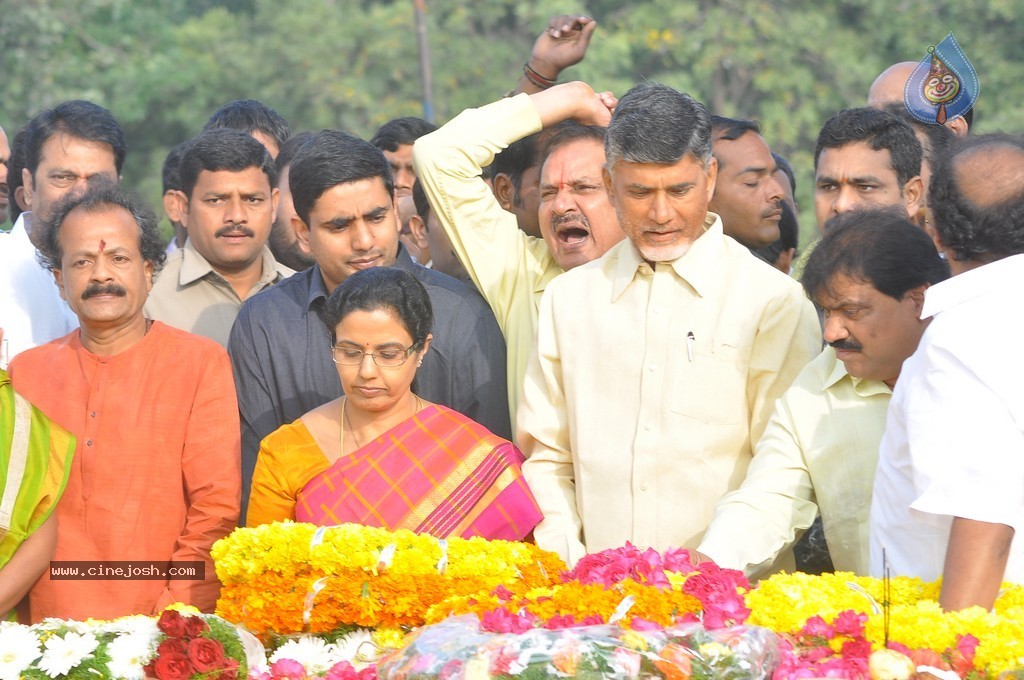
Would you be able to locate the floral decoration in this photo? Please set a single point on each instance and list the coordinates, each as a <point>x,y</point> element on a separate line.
<point>287,578</point>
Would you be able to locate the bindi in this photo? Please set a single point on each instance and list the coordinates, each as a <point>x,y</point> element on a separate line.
<point>103,245</point>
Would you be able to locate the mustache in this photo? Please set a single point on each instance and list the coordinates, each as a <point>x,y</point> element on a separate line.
<point>95,289</point>
<point>847,345</point>
<point>571,219</point>
<point>234,229</point>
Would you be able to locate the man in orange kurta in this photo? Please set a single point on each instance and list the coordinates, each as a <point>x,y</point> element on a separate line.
<point>156,473</point>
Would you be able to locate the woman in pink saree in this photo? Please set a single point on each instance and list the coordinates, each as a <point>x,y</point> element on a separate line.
<point>381,455</point>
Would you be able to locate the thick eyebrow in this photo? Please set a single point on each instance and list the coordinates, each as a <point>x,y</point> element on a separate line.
<point>760,170</point>
<point>865,179</point>
<point>376,212</point>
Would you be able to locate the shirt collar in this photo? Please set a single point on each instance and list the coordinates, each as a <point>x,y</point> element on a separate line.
<point>317,287</point>
<point>862,386</point>
<point>698,267</point>
<point>194,266</point>
<point>1001,274</point>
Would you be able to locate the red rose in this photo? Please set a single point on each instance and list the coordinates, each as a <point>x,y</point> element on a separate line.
<point>172,646</point>
<point>172,667</point>
<point>229,671</point>
<point>195,626</point>
<point>171,623</point>
<point>206,654</point>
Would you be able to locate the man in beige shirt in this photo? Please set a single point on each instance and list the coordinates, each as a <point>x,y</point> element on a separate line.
<point>658,364</point>
<point>227,204</point>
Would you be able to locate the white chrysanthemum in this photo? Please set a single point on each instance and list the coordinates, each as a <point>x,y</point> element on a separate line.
<point>129,653</point>
<point>61,654</point>
<point>19,647</point>
<point>358,648</point>
<point>133,625</point>
<point>312,652</point>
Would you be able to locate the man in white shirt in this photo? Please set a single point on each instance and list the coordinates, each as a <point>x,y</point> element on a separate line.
<point>66,148</point>
<point>949,490</point>
<point>657,364</point>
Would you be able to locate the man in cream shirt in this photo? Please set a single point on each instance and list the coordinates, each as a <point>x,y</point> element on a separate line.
<point>818,454</point>
<point>658,364</point>
<point>510,268</point>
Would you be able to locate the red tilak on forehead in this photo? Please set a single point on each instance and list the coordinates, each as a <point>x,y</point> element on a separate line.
<point>103,245</point>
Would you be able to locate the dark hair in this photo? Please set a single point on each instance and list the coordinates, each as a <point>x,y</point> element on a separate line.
<point>332,158</point>
<point>77,118</point>
<point>290,148</point>
<point>939,136</point>
<point>987,230</point>
<point>223,149</point>
<point>787,169</point>
<point>399,131</point>
<point>419,199</point>
<point>515,160</point>
<point>733,128</point>
<point>100,196</point>
<point>171,173</point>
<point>657,124</point>
<point>567,132</point>
<point>880,130</point>
<point>394,290</point>
<point>14,166</point>
<point>880,247</point>
<point>250,115</point>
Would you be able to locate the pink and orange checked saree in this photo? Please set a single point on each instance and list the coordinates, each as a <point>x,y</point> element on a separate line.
<point>438,473</point>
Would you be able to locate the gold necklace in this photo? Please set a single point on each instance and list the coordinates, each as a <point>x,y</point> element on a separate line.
<point>346,423</point>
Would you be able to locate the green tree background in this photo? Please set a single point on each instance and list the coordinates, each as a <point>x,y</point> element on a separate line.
<point>162,68</point>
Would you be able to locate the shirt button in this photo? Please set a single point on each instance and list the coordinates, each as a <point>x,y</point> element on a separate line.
<point>643,487</point>
<point>93,414</point>
<point>656,310</point>
<point>647,427</point>
<point>88,443</point>
<point>652,369</point>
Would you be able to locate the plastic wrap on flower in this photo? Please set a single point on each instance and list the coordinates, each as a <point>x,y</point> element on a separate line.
<point>459,649</point>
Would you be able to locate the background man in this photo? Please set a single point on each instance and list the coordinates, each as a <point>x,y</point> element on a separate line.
<point>431,238</point>
<point>280,348</point>
<point>577,223</point>
<point>284,243</point>
<point>148,482</point>
<point>254,118</point>
<point>227,205</point>
<point>747,191</point>
<point>65,149</point>
<point>866,158</point>
<point>949,491</point>
<point>395,138</point>
<point>888,88</point>
<point>700,339</point>
<point>171,184</point>
<point>819,450</point>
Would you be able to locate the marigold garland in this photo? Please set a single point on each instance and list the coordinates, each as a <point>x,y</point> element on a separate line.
<point>360,576</point>
<point>785,602</point>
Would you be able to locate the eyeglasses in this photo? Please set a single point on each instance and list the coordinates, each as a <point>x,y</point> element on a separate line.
<point>385,358</point>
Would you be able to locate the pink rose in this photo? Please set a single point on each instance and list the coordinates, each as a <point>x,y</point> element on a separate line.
<point>288,669</point>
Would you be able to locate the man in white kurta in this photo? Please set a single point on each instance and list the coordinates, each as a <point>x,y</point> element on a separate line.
<point>658,364</point>
<point>949,489</point>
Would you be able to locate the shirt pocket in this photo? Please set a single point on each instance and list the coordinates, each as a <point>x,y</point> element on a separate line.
<point>709,383</point>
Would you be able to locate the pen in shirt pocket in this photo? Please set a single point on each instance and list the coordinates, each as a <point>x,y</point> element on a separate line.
<point>689,345</point>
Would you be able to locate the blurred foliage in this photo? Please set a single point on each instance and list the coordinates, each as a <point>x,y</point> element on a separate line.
<point>162,68</point>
